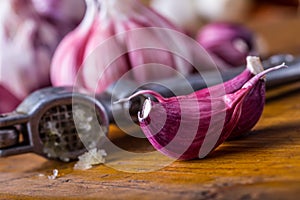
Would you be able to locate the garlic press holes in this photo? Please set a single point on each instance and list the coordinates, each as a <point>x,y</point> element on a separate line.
<point>58,132</point>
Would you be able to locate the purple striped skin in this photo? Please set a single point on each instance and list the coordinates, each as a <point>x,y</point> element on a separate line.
<point>238,107</point>
<point>254,99</point>
<point>107,48</point>
<point>251,110</point>
<point>69,54</point>
<point>169,130</point>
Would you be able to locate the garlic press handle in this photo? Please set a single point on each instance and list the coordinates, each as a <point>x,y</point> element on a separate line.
<point>12,126</point>
<point>183,85</point>
<point>12,119</point>
<point>8,137</point>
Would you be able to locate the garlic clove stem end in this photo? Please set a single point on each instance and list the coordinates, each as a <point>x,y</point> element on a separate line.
<point>147,106</point>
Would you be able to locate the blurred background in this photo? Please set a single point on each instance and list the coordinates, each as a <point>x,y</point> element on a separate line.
<point>275,22</point>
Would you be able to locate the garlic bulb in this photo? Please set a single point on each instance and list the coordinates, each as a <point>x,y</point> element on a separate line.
<point>107,47</point>
<point>229,43</point>
<point>27,43</point>
<point>24,64</point>
<point>191,126</point>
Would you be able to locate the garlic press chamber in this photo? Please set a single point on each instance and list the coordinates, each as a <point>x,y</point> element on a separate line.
<point>53,122</point>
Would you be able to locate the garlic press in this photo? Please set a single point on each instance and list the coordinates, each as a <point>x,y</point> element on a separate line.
<point>63,122</point>
<point>52,122</point>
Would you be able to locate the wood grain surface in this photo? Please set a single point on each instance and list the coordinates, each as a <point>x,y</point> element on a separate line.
<point>265,164</point>
<point>262,165</point>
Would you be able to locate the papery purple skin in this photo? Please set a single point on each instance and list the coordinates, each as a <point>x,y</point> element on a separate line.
<point>155,57</point>
<point>187,145</point>
<point>228,43</point>
<point>252,110</point>
<point>254,99</point>
<point>179,149</point>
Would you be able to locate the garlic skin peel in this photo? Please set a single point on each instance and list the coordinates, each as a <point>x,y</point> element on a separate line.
<point>188,127</point>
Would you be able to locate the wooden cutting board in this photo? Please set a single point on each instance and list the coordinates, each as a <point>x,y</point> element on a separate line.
<point>263,165</point>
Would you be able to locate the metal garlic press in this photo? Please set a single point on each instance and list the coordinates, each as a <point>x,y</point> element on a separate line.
<point>63,122</point>
<point>52,122</point>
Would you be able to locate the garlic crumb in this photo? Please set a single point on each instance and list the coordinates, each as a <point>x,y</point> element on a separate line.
<point>41,175</point>
<point>90,158</point>
<point>54,175</point>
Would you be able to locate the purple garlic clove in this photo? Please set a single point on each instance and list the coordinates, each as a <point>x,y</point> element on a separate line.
<point>188,127</point>
<point>228,43</point>
<point>254,99</point>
